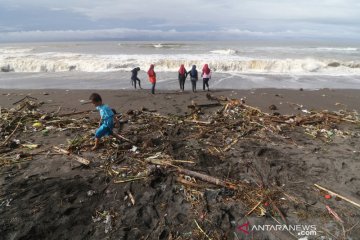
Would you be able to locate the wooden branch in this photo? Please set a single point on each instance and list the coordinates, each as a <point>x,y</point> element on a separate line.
<point>209,105</point>
<point>11,134</point>
<point>129,180</point>
<point>207,178</point>
<point>132,199</point>
<point>201,230</point>
<point>76,157</point>
<point>125,139</point>
<point>191,184</point>
<point>337,195</point>
<point>254,208</point>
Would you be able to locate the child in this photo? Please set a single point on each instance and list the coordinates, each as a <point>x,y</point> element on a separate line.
<point>106,123</point>
<point>152,78</point>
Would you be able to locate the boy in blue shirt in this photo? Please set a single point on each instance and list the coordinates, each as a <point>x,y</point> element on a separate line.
<point>106,124</point>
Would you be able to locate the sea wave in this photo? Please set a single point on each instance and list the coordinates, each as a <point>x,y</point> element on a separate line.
<point>334,49</point>
<point>225,52</point>
<point>13,50</point>
<point>62,62</point>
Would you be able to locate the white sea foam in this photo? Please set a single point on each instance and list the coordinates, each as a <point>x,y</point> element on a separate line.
<point>225,52</point>
<point>13,50</point>
<point>332,49</point>
<point>27,61</point>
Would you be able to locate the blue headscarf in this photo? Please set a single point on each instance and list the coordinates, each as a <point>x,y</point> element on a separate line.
<point>193,71</point>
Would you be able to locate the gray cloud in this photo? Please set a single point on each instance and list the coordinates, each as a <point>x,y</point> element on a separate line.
<point>283,17</point>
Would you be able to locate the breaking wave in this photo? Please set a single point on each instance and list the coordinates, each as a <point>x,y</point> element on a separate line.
<point>27,61</point>
<point>225,52</point>
<point>330,49</point>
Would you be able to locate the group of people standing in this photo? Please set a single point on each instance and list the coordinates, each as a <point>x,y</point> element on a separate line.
<point>182,76</point>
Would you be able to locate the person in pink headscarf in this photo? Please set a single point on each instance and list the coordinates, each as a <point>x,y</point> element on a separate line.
<point>206,75</point>
<point>152,77</point>
<point>182,77</point>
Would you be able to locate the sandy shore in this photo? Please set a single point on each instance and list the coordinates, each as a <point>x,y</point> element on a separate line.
<point>174,102</point>
<point>51,197</point>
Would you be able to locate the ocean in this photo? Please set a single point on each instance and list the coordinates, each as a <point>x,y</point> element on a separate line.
<point>235,65</point>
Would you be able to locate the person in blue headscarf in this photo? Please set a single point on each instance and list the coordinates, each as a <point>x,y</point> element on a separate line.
<point>193,77</point>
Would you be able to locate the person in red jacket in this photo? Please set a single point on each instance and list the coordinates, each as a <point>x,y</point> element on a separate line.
<point>152,77</point>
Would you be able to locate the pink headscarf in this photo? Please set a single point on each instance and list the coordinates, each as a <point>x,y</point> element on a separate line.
<point>206,69</point>
<point>182,69</point>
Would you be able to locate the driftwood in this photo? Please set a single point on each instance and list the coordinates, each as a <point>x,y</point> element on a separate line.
<point>201,230</point>
<point>11,134</point>
<point>335,215</point>
<point>125,139</point>
<point>76,157</point>
<point>209,105</point>
<point>337,195</point>
<point>207,178</point>
<point>186,182</point>
<point>201,176</point>
<point>132,199</point>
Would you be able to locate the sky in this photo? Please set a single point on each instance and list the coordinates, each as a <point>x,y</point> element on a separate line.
<point>65,20</point>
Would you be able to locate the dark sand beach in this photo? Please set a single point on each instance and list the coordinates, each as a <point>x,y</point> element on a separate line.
<point>46,195</point>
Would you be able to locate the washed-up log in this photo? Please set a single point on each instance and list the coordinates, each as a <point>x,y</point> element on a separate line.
<point>207,178</point>
<point>186,182</point>
<point>337,195</point>
<point>209,105</point>
<point>76,157</point>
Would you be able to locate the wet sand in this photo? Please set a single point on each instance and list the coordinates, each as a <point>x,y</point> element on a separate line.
<point>48,197</point>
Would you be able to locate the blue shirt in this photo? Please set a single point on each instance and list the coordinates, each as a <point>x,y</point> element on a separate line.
<point>106,115</point>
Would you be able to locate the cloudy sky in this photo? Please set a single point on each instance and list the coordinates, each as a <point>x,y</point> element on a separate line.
<point>40,20</point>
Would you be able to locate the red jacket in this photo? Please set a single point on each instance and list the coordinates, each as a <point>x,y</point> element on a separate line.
<point>152,74</point>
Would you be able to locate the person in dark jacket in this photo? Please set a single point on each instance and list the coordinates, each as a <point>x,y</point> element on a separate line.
<point>182,77</point>
<point>134,77</point>
<point>193,77</point>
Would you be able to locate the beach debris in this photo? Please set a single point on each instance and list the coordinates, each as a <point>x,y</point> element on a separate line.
<point>272,107</point>
<point>201,230</point>
<point>30,146</point>
<point>327,196</point>
<point>334,214</point>
<point>90,193</point>
<point>337,195</point>
<point>76,157</point>
<point>177,147</point>
<point>37,125</point>
<point>131,197</point>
